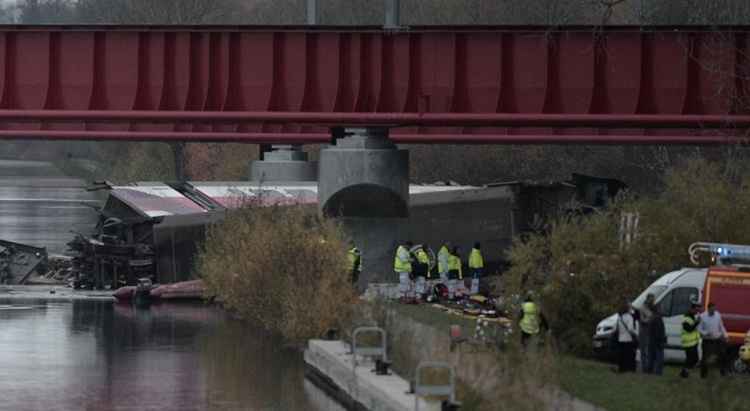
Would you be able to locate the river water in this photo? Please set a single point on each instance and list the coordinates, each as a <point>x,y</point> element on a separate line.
<point>93,355</point>
<point>40,206</point>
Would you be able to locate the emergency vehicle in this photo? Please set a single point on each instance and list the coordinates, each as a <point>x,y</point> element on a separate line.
<point>728,286</point>
<point>726,283</point>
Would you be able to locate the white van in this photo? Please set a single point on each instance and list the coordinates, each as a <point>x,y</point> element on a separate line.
<point>674,293</point>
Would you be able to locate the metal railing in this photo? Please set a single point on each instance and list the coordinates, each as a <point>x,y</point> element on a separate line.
<point>421,389</point>
<point>369,351</point>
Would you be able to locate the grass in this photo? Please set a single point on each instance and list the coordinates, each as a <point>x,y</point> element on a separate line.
<point>433,317</point>
<point>596,383</point>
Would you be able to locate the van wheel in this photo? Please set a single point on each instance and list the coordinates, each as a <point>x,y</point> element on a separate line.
<point>739,367</point>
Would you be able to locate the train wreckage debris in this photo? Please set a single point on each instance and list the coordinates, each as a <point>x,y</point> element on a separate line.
<point>18,262</point>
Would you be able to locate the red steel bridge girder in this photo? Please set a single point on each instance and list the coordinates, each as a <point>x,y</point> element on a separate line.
<point>400,138</point>
<point>441,81</point>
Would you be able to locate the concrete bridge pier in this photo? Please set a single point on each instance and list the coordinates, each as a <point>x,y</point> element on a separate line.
<point>283,163</point>
<point>364,174</point>
<point>364,182</point>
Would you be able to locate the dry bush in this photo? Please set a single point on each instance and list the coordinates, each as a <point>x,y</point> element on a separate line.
<point>282,267</point>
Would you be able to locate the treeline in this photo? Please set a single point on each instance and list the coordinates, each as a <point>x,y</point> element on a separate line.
<point>370,12</point>
<point>638,166</point>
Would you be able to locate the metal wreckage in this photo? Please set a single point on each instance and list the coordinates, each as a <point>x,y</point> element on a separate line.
<point>19,262</point>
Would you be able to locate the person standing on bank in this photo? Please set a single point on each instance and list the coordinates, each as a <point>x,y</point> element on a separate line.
<point>657,341</point>
<point>355,262</point>
<point>402,266</point>
<point>691,339</point>
<point>715,336</point>
<point>443,256</point>
<point>476,265</point>
<point>531,320</point>
<point>420,269</point>
<point>455,271</point>
<point>627,339</point>
<point>645,314</point>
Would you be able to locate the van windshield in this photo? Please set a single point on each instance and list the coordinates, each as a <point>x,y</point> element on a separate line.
<point>656,290</point>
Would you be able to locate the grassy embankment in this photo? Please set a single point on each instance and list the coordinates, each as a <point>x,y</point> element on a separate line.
<point>596,383</point>
<point>486,379</point>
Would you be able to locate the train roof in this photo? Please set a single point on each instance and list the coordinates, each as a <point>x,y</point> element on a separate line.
<point>159,199</point>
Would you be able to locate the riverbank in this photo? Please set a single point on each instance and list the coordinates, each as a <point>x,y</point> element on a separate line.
<point>331,365</point>
<point>595,382</point>
<point>47,292</point>
<point>488,377</point>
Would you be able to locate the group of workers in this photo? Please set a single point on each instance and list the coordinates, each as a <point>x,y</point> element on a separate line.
<point>417,270</point>
<point>417,274</point>
<point>644,329</point>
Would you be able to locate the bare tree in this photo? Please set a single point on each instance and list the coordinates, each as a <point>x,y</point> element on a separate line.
<point>46,11</point>
<point>159,11</point>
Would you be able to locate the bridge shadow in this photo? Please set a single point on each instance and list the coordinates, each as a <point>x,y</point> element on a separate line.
<point>366,200</point>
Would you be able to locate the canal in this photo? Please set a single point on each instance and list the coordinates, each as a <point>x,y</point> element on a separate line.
<point>93,355</point>
<point>40,206</point>
<point>96,355</point>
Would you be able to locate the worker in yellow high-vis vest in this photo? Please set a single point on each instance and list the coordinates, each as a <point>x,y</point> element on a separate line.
<point>443,257</point>
<point>455,271</point>
<point>402,266</point>
<point>354,256</point>
<point>691,338</point>
<point>531,321</point>
<point>476,266</point>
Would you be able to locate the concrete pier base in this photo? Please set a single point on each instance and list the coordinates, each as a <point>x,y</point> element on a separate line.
<point>364,175</point>
<point>377,239</point>
<point>284,163</point>
<point>365,390</point>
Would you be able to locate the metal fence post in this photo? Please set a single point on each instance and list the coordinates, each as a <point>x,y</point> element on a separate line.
<point>436,390</point>
<point>369,351</point>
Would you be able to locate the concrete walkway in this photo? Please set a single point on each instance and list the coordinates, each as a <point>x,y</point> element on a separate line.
<point>371,391</point>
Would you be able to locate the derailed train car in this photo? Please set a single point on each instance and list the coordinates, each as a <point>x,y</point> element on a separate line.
<point>154,229</point>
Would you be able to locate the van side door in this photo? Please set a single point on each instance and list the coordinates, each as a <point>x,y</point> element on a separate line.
<point>673,305</point>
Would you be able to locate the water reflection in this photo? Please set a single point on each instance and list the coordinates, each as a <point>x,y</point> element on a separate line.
<point>40,206</point>
<point>87,355</point>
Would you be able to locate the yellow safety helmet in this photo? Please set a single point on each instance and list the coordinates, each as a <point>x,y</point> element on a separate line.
<point>745,353</point>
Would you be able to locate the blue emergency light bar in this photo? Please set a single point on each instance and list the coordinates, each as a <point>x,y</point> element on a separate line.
<point>718,251</point>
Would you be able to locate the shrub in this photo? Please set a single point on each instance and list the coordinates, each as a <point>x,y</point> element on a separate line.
<point>583,273</point>
<point>282,267</point>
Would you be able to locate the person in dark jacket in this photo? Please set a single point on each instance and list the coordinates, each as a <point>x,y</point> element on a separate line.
<point>657,341</point>
<point>644,316</point>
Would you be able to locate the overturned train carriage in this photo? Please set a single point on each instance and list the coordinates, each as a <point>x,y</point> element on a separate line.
<point>154,229</point>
